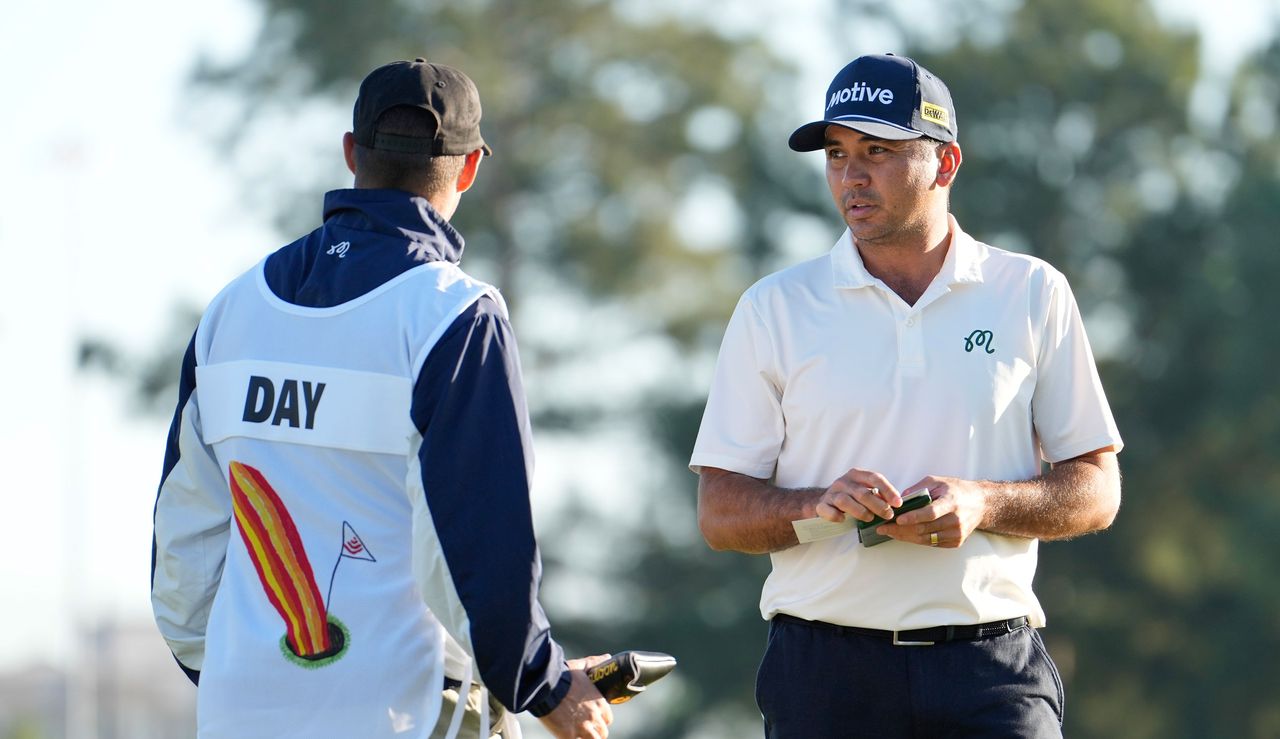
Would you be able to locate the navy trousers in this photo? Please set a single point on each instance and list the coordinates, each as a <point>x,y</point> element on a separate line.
<point>820,683</point>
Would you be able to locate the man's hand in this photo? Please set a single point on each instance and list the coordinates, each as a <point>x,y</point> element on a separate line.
<point>584,713</point>
<point>1075,497</point>
<point>956,511</point>
<point>859,493</point>
<point>586,663</point>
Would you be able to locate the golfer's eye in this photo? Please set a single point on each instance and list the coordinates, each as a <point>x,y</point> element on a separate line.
<point>834,154</point>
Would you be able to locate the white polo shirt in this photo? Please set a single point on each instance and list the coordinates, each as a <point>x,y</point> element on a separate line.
<point>824,368</point>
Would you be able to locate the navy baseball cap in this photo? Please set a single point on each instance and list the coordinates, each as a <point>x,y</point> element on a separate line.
<point>444,92</point>
<point>886,96</point>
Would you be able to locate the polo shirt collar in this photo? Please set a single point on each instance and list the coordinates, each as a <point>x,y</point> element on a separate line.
<point>963,262</point>
<point>846,264</point>
<point>964,259</point>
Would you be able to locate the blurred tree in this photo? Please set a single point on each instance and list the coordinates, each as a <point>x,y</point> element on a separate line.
<point>641,178</point>
<point>635,154</point>
<point>154,376</point>
<point>25,728</point>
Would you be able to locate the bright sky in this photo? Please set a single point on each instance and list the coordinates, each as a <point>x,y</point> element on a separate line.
<point>112,213</point>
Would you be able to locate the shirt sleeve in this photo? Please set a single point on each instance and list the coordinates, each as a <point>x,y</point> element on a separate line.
<point>475,466</point>
<point>192,522</point>
<point>1069,408</point>
<point>742,427</point>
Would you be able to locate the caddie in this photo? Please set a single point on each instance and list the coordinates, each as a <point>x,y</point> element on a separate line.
<point>343,539</point>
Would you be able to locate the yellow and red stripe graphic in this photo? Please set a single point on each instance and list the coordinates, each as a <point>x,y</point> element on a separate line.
<point>276,550</point>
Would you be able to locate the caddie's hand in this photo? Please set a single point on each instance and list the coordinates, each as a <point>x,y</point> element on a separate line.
<point>586,663</point>
<point>584,713</point>
<point>859,493</point>
<point>957,509</point>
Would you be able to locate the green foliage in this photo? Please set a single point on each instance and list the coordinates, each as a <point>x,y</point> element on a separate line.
<point>602,128</point>
<point>25,728</point>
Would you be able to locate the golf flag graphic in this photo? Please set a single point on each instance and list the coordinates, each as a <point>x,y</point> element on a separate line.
<point>352,548</point>
<point>276,549</point>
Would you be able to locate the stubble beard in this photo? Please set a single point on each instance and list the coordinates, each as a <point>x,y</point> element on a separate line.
<point>897,233</point>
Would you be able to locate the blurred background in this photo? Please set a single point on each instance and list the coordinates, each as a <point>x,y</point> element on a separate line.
<point>641,182</point>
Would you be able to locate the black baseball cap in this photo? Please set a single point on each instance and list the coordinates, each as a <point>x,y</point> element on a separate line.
<point>886,96</point>
<point>448,94</point>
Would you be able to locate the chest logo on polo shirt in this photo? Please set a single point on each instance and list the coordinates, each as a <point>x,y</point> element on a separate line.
<point>980,338</point>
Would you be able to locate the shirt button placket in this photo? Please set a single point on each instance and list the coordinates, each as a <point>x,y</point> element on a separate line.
<point>911,347</point>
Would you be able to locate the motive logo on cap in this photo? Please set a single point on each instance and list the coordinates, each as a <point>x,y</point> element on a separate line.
<point>860,92</point>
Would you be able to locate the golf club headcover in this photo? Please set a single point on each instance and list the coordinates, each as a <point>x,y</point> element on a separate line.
<point>626,674</point>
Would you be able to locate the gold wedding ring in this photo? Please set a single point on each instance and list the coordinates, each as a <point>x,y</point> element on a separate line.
<point>933,539</point>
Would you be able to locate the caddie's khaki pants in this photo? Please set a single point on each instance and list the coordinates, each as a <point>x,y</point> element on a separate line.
<point>470,716</point>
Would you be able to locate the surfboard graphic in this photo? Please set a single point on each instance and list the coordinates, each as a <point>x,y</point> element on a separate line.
<point>312,636</point>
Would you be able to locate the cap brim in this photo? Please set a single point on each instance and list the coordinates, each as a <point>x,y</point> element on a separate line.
<point>813,136</point>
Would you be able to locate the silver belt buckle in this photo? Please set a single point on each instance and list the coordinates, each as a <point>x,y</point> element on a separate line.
<point>900,643</point>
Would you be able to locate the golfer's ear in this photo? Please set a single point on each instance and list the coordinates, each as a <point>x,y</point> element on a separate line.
<point>949,158</point>
<point>467,177</point>
<point>349,150</point>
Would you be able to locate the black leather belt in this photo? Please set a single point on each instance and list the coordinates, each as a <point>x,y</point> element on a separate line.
<point>917,637</point>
